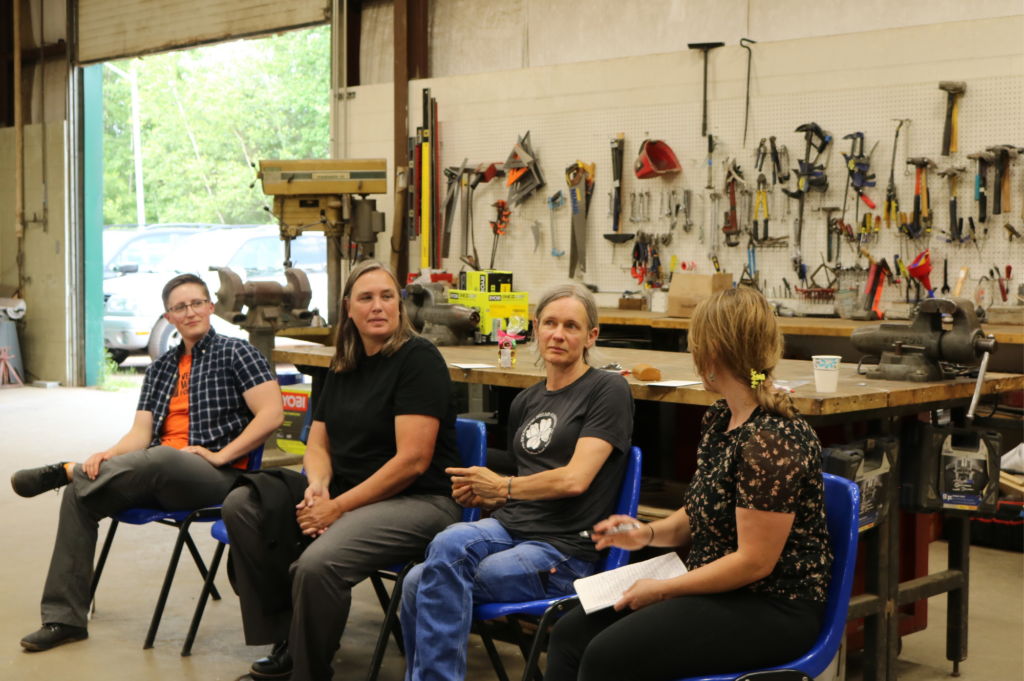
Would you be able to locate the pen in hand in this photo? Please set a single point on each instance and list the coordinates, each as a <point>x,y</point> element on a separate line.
<point>618,529</point>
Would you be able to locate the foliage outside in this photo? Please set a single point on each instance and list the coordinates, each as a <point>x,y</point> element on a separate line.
<point>114,378</point>
<point>207,115</point>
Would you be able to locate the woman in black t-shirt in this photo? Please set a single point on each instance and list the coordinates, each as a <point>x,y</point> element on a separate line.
<point>375,490</point>
<point>759,562</point>
<point>570,435</point>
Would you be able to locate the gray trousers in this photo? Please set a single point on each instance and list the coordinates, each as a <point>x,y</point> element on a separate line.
<point>354,547</point>
<point>160,477</point>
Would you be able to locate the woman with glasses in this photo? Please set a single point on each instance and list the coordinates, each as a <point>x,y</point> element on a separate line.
<point>204,406</point>
<point>374,492</point>
<point>570,435</point>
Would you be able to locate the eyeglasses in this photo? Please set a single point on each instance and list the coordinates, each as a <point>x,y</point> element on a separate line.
<point>179,310</point>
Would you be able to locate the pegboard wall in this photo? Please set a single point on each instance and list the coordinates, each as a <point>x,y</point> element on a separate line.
<point>990,113</point>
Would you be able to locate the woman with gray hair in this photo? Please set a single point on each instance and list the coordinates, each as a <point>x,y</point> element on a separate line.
<point>374,492</point>
<point>570,435</point>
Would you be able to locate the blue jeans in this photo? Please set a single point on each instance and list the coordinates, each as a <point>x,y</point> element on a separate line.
<point>473,563</point>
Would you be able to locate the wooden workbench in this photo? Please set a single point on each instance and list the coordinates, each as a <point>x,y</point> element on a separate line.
<point>855,394</point>
<point>857,400</point>
<point>794,326</point>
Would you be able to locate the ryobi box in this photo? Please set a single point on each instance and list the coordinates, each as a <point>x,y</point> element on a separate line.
<point>488,281</point>
<point>296,403</point>
<point>495,309</point>
<point>867,463</point>
<point>956,470</point>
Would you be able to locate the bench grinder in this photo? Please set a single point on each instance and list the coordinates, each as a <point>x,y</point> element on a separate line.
<point>269,306</point>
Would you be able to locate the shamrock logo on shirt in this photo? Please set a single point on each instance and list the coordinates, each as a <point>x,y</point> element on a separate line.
<point>537,435</point>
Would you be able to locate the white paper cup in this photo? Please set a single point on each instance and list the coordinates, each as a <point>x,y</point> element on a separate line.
<point>826,372</point>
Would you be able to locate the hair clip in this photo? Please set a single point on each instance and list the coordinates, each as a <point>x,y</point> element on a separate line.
<point>756,379</point>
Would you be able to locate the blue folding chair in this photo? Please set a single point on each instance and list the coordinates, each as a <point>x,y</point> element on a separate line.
<point>179,519</point>
<point>842,510</point>
<point>550,609</point>
<point>471,437</point>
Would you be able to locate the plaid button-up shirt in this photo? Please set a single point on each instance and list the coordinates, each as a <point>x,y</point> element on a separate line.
<point>222,369</point>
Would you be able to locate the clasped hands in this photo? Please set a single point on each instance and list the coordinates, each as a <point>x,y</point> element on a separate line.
<point>477,487</point>
<point>316,512</point>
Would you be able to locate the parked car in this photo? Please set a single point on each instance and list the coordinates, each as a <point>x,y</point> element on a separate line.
<point>126,252</point>
<point>133,309</point>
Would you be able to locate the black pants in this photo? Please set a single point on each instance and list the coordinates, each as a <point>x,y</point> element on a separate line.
<point>724,633</point>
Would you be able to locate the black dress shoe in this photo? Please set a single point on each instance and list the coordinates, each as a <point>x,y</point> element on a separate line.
<point>33,481</point>
<point>52,635</point>
<point>276,665</point>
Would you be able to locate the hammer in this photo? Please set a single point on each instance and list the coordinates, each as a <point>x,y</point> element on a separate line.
<point>921,218</point>
<point>1002,178</point>
<point>984,159</point>
<point>952,173</point>
<point>953,89</point>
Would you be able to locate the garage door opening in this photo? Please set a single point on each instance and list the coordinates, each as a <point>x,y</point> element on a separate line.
<point>181,132</point>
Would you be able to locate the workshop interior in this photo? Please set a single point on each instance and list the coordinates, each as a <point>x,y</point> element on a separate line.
<point>861,166</point>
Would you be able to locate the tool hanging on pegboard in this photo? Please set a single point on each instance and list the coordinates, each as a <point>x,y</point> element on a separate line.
<point>618,146</point>
<point>523,172</point>
<point>580,178</point>
<point>498,226</point>
<point>810,177</point>
<point>733,176</point>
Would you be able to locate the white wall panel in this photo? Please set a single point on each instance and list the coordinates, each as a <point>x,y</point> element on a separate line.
<point>112,29</point>
<point>571,111</point>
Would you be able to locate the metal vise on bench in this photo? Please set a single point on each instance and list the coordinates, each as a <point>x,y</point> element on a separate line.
<point>917,351</point>
<point>441,323</point>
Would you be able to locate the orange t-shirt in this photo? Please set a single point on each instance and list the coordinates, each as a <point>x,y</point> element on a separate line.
<point>176,424</point>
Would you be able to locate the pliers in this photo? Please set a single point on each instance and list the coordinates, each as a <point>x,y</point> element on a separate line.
<point>639,269</point>
<point>761,202</point>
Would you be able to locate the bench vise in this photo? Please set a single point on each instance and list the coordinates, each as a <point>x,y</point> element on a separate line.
<point>920,351</point>
<point>441,323</point>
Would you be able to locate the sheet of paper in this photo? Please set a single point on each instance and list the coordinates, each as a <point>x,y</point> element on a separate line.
<point>604,590</point>
<point>473,366</point>
<point>675,384</point>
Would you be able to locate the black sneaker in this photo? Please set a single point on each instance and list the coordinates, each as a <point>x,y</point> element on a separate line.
<point>33,481</point>
<point>52,635</point>
<point>276,665</point>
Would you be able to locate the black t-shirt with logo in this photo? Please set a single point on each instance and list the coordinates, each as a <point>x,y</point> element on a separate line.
<point>544,426</point>
<point>359,408</point>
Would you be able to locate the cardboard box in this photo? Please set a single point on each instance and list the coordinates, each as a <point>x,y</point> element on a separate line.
<point>493,306</point>
<point>489,281</point>
<point>688,290</point>
<point>296,403</point>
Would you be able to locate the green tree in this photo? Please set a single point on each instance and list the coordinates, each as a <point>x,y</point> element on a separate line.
<point>207,114</point>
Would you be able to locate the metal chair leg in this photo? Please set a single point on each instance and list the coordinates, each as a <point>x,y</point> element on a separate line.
<point>103,559</point>
<point>492,652</point>
<point>390,625</point>
<point>193,628</point>
<point>190,543</point>
<point>158,612</point>
<point>548,619</point>
<point>385,603</point>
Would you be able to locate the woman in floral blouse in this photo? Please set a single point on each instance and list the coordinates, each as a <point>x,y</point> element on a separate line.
<point>754,518</point>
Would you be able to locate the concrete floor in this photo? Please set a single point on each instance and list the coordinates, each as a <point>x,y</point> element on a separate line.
<point>44,426</point>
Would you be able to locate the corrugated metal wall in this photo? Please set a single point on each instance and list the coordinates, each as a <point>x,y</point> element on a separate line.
<point>114,29</point>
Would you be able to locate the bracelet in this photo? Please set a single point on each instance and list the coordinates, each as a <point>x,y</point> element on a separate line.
<point>508,496</point>
<point>652,536</point>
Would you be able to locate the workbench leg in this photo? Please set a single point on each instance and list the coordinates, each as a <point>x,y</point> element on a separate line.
<point>892,563</point>
<point>875,578</point>
<point>958,533</point>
